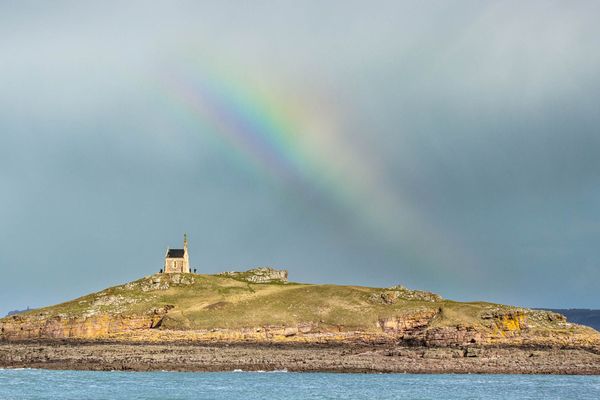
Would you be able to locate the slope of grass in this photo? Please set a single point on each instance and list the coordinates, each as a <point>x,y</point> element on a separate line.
<point>198,301</point>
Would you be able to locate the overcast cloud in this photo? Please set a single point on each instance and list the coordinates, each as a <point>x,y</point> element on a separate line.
<point>481,117</point>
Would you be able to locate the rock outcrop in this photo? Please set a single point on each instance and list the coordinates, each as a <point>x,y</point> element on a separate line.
<point>395,293</point>
<point>94,327</point>
<point>448,336</point>
<point>259,275</point>
<point>161,282</point>
<point>407,323</point>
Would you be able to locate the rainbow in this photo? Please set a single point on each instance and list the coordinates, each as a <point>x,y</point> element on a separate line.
<point>301,146</point>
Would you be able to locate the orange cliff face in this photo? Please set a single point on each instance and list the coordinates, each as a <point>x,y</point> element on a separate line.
<point>417,328</point>
<point>93,327</point>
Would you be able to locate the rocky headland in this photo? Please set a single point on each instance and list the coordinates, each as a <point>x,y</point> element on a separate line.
<point>258,320</point>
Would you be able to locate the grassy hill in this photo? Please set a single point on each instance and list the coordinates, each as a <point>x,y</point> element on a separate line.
<point>234,306</point>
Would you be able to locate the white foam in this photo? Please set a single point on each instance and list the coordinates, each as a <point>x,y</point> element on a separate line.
<point>262,371</point>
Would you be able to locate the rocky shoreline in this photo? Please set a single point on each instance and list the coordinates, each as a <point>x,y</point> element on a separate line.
<point>257,320</point>
<point>295,357</point>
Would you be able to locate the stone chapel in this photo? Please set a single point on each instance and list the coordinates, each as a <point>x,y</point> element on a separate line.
<point>177,260</point>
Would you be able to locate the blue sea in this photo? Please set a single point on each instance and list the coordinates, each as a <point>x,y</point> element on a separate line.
<point>44,384</point>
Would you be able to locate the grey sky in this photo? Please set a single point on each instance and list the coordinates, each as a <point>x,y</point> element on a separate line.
<point>479,120</point>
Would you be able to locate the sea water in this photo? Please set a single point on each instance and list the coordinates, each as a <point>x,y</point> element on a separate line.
<point>44,384</point>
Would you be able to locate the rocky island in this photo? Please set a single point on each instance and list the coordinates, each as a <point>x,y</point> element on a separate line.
<point>258,320</point>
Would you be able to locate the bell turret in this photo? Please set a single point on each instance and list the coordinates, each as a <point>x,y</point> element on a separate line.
<point>186,258</point>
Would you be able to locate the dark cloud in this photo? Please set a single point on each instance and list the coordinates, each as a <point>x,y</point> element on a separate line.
<point>481,118</point>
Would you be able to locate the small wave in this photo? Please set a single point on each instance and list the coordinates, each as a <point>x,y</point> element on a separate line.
<point>262,371</point>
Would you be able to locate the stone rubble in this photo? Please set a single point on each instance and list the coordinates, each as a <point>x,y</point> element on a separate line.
<point>259,275</point>
<point>395,293</point>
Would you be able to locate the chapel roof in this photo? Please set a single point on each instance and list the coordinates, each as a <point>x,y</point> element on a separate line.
<point>175,253</point>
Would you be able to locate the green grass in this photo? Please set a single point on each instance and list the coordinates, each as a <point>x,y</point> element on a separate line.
<point>213,301</point>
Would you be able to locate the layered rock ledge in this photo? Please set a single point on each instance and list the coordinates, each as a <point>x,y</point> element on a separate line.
<point>301,358</point>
